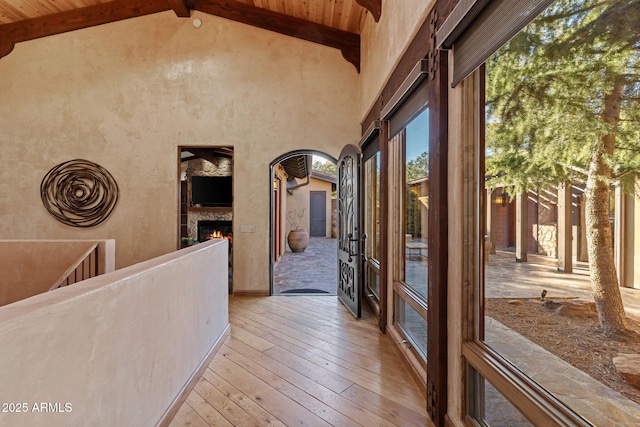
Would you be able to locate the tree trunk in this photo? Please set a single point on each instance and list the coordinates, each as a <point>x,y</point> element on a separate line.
<point>604,281</point>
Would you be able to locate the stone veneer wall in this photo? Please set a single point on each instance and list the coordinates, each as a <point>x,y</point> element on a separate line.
<point>548,239</point>
<point>222,166</point>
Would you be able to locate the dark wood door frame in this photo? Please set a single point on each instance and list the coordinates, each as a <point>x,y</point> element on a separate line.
<point>437,336</point>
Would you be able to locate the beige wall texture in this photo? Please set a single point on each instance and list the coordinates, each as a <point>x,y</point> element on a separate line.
<point>33,267</point>
<point>92,352</point>
<point>125,95</point>
<point>301,200</point>
<point>384,43</point>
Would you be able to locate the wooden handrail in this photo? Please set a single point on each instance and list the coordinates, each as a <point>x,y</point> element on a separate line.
<point>73,269</point>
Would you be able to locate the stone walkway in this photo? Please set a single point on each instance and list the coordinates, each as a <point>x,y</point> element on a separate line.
<point>308,271</point>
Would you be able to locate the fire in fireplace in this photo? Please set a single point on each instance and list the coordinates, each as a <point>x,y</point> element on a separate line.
<point>214,229</point>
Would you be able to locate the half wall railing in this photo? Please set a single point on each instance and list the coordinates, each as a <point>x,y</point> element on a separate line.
<point>85,267</point>
<point>32,267</point>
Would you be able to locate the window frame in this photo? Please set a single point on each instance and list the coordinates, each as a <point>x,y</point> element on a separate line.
<point>534,402</point>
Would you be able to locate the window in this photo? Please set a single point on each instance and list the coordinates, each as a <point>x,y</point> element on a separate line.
<point>416,203</point>
<point>561,104</point>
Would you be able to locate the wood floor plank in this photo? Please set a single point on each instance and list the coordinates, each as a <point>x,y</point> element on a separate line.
<point>253,340</point>
<point>355,334</point>
<point>323,394</point>
<point>332,311</point>
<point>187,416</point>
<point>389,410</point>
<point>330,315</point>
<point>263,417</point>
<point>400,395</point>
<point>327,308</point>
<point>288,325</point>
<point>249,423</point>
<point>284,409</point>
<point>303,361</point>
<point>206,411</point>
<point>322,376</point>
<point>289,389</point>
<point>382,375</point>
<point>321,345</point>
<point>326,350</point>
<point>229,409</point>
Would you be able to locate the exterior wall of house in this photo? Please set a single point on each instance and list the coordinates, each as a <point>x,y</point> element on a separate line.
<point>532,223</point>
<point>300,200</point>
<point>126,95</point>
<point>384,42</point>
<point>631,263</point>
<point>541,223</point>
<point>501,224</point>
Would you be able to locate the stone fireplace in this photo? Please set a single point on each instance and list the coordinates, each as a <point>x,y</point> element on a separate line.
<point>220,166</point>
<point>194,218</point>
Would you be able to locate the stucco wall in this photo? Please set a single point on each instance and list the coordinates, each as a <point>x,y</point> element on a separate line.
<point>126,95</point>
<point>31,267</point>
<point>384,42</point>
<point>117,349</point>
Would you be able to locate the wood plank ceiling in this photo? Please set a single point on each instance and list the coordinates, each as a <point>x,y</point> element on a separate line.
<point>334,23</point>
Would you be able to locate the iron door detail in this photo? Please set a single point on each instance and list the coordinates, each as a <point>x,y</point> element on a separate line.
<point>349,230</point>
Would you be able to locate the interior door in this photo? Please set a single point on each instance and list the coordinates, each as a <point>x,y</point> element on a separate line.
<point>350,232</point>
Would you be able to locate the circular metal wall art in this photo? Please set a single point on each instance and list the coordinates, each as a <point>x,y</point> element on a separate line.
<point>79,193</point>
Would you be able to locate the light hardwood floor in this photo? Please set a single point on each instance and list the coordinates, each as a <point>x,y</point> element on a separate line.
<point>303,361</point>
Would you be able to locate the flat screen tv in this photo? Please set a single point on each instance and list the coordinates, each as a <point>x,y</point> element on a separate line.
<point>211,191</point>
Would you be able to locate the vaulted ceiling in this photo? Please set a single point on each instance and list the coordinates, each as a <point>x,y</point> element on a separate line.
<point>334,23</point>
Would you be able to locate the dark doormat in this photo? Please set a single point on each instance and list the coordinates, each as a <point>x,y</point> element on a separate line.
<point>304,291</point>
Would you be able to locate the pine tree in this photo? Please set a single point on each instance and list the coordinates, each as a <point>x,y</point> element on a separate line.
<point>563,105</point>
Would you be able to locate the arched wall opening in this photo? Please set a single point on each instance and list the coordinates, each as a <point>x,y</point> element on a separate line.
<point>302,235</point>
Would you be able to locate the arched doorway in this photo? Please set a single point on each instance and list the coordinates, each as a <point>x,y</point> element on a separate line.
<point>302,196</point>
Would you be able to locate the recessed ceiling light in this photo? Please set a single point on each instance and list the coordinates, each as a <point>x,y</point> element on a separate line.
<point>197,23</point>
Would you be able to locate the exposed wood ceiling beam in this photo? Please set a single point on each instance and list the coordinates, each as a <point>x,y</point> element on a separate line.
<point>180,7</point>
<point>6,46</point>
<point>373,6</point>
<point>348,43</point>
<point>75,20</point>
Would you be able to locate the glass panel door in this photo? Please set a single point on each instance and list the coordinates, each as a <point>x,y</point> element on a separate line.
<point>411,148</point>
<point>372,225</point>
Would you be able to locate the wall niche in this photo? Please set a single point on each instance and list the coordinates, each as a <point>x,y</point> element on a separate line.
<point>208,196</point>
